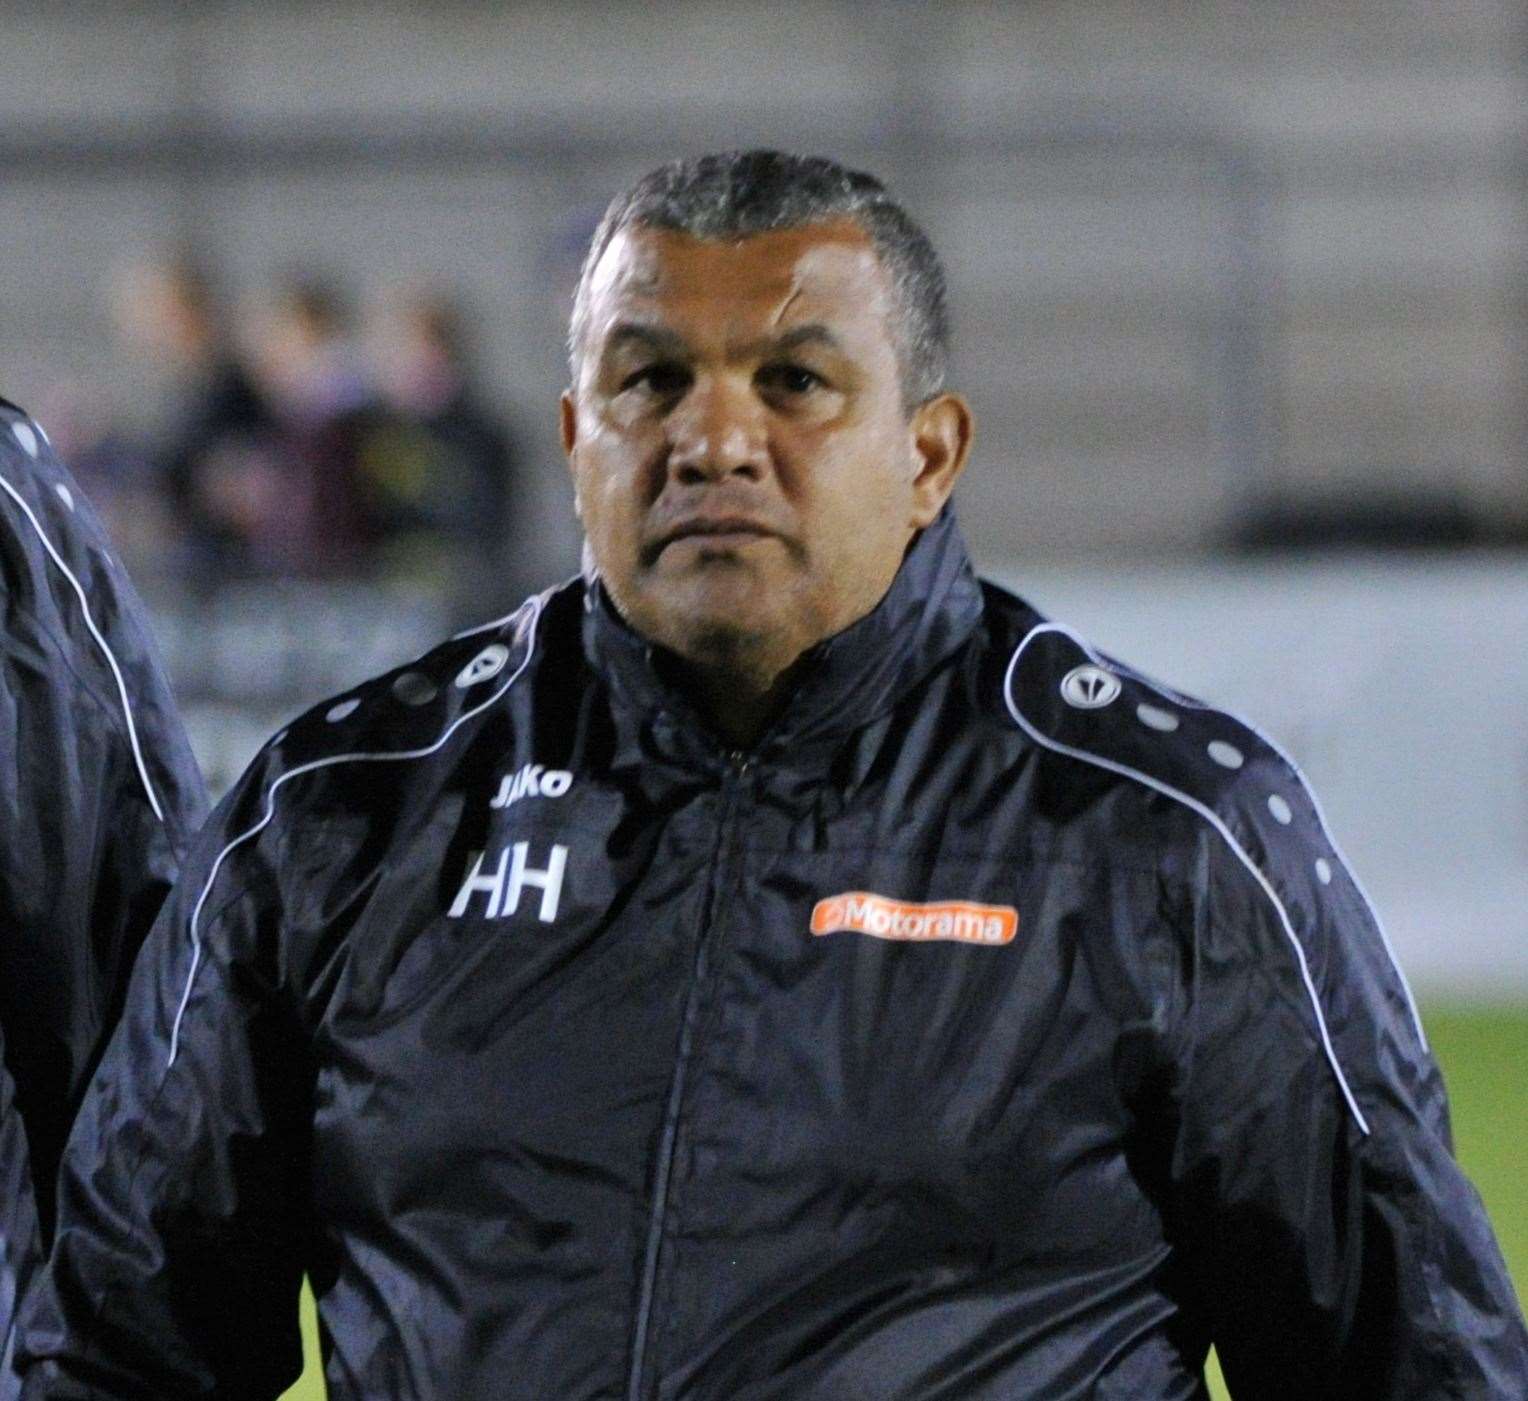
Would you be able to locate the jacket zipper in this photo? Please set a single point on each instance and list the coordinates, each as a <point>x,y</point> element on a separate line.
<point>709,926</point>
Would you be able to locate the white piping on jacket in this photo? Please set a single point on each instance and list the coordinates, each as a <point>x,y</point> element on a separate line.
<point>1209,815</point>
<point>535,604</point>
<point>539,599</point>
<point>95,632</point>
<point>1326,831</point>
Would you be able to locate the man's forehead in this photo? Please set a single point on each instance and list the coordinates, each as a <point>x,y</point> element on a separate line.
<point>643,264</point>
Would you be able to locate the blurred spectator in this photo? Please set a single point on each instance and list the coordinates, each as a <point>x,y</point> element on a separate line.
<point>440,480</point>
<point>216,422</point>
<point>303,510</point>
<point>304,353</point>
<point>313,460</point>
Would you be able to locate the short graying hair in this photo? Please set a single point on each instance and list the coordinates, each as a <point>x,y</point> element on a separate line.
<point>738,193</point>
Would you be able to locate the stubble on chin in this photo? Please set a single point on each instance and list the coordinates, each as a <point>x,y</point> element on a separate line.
<point>750,648</point>
<point>726,617</point>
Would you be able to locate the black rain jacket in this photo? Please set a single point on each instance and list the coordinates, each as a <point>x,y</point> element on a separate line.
<point>99,796</point>
<point>1001,1026</point>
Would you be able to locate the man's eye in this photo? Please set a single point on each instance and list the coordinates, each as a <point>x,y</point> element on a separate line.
<point>662,380</point>
<point>790,379</point>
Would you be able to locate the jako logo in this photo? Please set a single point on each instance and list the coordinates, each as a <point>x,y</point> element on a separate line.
<point>857,912</point>
<point>532,781</point>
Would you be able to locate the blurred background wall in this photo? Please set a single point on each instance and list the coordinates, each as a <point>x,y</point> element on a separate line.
<point>1239,293</point>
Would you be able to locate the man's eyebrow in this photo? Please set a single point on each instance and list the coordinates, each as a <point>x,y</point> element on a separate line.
<point>642,333</point>
<point>648,336</point>
<point>814,333</point>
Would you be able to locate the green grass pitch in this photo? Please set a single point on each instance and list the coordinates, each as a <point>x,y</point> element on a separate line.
<point>1484,1054</point>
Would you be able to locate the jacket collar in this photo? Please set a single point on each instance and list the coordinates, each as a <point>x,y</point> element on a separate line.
<point>932,606</point>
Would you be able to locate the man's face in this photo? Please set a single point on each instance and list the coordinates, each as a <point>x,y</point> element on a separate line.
<point>745,469</point>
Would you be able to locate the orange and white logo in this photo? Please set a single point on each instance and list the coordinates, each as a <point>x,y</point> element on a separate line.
<point>859,912</point>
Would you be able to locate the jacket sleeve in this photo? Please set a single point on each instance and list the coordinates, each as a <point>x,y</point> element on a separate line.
<point>182,1221</point>
<point>99,794</point>
<point>20,1247</point>
<point>1333,1244</point>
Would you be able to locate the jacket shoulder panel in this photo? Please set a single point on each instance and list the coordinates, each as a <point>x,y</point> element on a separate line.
<point>78,580</point>
<point>47,515</point>
<point>1074,701</point>
<point>406,715</point>
<point>412,711</point>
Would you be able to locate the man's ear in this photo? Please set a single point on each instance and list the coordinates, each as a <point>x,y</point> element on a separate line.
<point>940,432</point>
<point>568,414</point>
<point>568,411</point>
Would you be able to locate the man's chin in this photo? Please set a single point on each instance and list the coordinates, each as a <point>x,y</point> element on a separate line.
<point>717,608</point>
<point>716,626</point>
<point>723,587</point>
<point>718,637</point>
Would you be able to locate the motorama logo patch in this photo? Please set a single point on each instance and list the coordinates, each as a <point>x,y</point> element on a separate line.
<point>860,912</point>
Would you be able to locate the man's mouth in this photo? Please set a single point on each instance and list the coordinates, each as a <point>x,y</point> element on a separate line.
<point>719,531</point>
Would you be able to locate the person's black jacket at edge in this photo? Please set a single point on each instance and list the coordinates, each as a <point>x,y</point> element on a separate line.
<point>99,796</point>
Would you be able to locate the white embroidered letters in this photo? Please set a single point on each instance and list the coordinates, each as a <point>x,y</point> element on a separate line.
<point>531,781</point>
<point>506,881</point>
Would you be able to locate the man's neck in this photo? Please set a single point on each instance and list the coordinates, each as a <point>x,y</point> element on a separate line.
<point>739,715</point>
<point>738,700</point>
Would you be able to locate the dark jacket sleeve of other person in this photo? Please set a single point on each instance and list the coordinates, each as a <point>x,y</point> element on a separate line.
<point>99,794</point>
<point>181,1246</point>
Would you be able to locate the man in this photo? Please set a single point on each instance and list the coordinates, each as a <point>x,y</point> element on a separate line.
<point>100,795</point>
<point>440,470</point>
<point>775,965</point>
<point>171,310</point>
<point>308,508</point>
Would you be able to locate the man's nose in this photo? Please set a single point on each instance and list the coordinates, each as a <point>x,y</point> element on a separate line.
<point>717,431</point>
